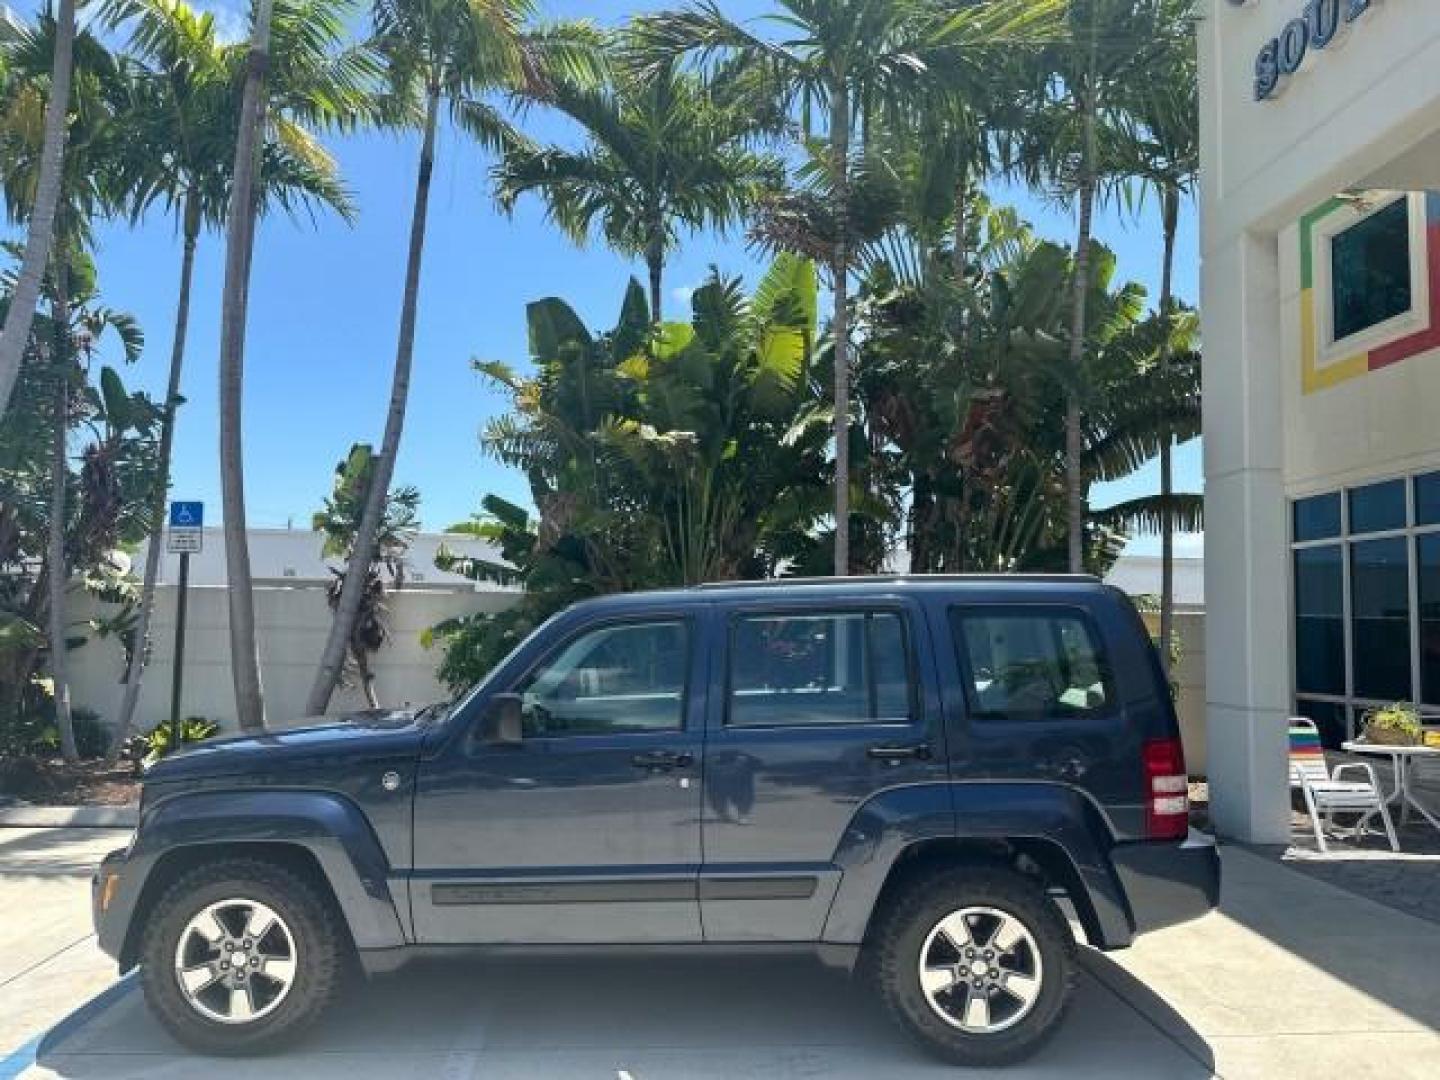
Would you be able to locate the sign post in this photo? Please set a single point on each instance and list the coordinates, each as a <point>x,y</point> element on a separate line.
<point>185,538</point>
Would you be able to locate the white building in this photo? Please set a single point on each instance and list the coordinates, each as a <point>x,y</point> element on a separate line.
<point>1320,211</point>
<point>293,558</point>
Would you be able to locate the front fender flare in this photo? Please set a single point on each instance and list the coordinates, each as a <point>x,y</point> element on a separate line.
<point>330,827</point>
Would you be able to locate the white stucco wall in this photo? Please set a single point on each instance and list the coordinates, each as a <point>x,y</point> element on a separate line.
<point>1364,113</point>
<point>291,625</point>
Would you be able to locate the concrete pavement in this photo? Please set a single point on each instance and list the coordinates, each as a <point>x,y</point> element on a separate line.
<point>1294,979</point>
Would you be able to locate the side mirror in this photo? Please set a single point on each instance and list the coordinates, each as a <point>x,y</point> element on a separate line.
<point>500,725</point>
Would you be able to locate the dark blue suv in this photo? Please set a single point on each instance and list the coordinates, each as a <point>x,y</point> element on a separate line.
<point>907,777</point>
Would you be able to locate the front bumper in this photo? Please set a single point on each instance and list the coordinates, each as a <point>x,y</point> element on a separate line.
<point>1166,882</point>
<point>111,899</point>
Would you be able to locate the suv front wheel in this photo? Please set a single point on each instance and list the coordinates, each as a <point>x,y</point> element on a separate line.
<point>240,956</point>
<point>976,962</point>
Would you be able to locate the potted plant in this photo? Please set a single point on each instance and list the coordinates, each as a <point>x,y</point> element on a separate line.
<point>1394,725</point>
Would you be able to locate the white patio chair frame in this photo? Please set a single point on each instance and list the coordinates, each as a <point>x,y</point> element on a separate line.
<point>1326,793</point>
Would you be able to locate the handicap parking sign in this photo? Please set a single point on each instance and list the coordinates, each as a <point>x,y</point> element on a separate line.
<point>187,515</point>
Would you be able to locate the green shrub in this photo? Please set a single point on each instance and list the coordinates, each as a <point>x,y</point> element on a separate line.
<point>33,730</point>
<point>92,735</point>
<point>193,729</point>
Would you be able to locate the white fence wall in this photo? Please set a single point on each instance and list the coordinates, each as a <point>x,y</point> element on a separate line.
<point>291,625</point>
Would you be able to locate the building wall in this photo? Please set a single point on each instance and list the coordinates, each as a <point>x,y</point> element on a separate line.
<point>1376,424</point>
<point>1352,116</point>
<point>291,625</point>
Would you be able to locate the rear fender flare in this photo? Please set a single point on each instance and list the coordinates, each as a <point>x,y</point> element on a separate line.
<point>892,823</point>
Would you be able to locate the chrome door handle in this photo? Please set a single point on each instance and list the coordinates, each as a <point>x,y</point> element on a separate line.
<point>918,752</point>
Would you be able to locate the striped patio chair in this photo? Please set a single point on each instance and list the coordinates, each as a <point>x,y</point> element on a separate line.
<point>1326,793</point>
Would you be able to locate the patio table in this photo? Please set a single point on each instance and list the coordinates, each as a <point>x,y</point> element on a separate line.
<point>1402,760</point>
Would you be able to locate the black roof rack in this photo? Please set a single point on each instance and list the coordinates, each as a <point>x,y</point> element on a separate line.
<point>865,579</point>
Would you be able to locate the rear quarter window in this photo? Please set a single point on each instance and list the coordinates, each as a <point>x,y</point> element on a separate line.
<point>1032,663</point>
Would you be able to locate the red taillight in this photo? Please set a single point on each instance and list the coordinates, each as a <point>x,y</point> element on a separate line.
<point>1167,790</point>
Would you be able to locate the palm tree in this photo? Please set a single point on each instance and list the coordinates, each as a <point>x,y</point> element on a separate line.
<point>851,62</point>
<point>660,154</point>
<point>1168,141</point>
<point>1082,82</point>
<point>183,103</point>
<point>239,245</point>
<point>84,189</point>
<point>40,234</point>
<point>450,54</point>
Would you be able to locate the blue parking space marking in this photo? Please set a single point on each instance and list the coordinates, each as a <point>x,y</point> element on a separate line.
<point>17,1061</point>
<point>26,1055</point>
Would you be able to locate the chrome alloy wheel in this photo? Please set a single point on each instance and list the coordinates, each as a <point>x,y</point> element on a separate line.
<point>980,970</point>
<point>235,961</point>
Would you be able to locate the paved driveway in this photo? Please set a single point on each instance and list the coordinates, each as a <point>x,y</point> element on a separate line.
<point>1296,979</point>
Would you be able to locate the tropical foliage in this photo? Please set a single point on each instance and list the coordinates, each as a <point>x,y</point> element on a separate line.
<point>68,398</point>
<point>917,380</point>
<point>658,454</point>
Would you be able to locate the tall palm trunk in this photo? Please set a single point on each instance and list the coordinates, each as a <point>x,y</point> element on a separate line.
<point>655,264</point>
<point>41,230</point>
<point>958,254</point>
<point>1170,210</point>
<point>1074,448</point>
<point>55,548</point>
<point>155,548</point>
<point>240,241</point>
<point>362,552</point>
<point>840,324</point>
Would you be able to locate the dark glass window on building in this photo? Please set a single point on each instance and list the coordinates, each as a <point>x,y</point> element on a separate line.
<point>1377,508</point>
<point>1428,570</point>
<point>1427,499</point>
<point>1370,271</point>
<point>1317,518</point>
<point>1380,613</point>
<point>1320,620</point>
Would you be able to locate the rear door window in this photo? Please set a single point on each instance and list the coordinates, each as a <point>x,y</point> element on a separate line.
<point>819,668</point>
<point>1031,663</point>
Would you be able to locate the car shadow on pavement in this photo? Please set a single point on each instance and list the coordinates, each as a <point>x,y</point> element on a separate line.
<point>615,1018</point>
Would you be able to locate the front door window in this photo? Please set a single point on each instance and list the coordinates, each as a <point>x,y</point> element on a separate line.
<point>628,677</point>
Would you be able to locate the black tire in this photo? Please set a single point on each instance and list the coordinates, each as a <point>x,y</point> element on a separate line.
<point>918,907</point>
<point>320,949</point>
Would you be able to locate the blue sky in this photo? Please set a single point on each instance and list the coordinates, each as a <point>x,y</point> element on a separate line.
<point>324,309</point>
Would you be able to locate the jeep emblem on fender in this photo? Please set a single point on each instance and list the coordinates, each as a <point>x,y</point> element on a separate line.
<point>390,781</point>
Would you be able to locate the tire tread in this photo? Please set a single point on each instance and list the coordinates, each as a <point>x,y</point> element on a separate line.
<point>963,885</point>
<point>315,988</point>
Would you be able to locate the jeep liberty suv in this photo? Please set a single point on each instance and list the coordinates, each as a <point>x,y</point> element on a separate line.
<point>906,777</point>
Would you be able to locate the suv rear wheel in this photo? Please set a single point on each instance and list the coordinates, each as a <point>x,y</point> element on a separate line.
<point>240,956</point>
<point>976,962</point>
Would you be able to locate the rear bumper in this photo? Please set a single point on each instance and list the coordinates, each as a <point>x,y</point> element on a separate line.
<point>1168,882</point>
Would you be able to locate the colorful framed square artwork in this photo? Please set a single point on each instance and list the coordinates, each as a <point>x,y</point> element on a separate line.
<point>1369,284</point>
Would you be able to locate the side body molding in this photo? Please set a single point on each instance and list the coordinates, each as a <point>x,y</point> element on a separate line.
<point>330,827</point>
<point>1039,813</point>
